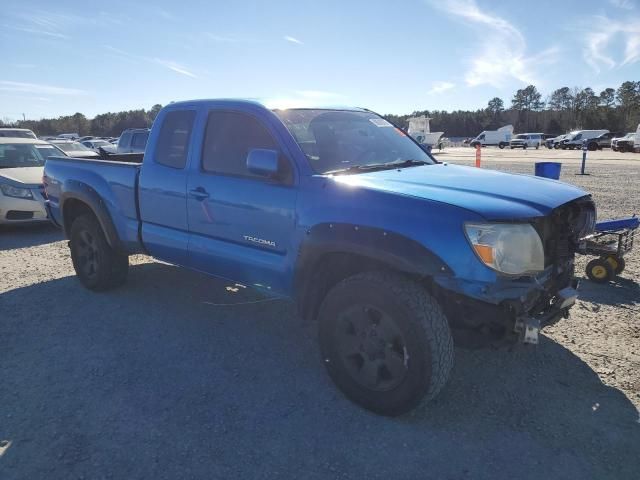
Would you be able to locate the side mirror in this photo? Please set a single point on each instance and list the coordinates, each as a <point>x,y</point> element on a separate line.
<point>263,162</point>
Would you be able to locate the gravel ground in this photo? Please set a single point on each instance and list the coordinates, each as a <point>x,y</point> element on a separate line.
<point>163,379</point>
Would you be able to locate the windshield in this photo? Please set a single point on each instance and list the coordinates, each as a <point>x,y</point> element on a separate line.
<point>20,155</point>
<point>339,139</point>
<point>521,137</point>
<point>72,147</point>
<point>49,151</point>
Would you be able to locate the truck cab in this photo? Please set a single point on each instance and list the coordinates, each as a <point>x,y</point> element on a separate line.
<point>133,140</point>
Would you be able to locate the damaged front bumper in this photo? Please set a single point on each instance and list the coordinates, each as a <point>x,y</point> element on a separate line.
<point>528,327</point>
<point>509,310</point>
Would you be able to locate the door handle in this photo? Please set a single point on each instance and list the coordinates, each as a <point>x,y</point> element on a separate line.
<point>199,193</point>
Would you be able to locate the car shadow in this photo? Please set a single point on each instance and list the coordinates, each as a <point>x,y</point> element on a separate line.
<point>28,235</point>
<point>176,374</point>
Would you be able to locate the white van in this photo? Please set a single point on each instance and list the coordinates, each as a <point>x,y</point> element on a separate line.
<point>500,137</point>
<point>575,138</point>
<point>525,140</point>
<point>636,142</point>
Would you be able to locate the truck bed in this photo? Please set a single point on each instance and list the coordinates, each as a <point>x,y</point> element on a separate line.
<point>112,182</point>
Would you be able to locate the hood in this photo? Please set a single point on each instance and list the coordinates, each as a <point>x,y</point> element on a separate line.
<point>22,176</point>
<point>492,194</point>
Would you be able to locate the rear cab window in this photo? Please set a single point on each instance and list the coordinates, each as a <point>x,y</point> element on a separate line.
<point>139,140</point>
<point>172,148</point>
<point>125,139</point>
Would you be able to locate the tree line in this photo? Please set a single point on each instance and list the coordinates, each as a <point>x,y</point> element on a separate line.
<point>565,109</point>
<point>103,125</point>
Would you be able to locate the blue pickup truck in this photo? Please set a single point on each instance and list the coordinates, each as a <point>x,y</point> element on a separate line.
<point>393,253</point>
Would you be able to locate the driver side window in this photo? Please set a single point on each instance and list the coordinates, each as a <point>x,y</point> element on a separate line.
<point>229,137</point>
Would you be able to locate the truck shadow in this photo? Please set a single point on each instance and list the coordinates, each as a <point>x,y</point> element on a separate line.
<point>28,235</point>
<point>164,378</point>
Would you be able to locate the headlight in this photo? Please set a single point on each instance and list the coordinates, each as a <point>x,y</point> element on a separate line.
<point>511,248</point>
<point>16,192</point>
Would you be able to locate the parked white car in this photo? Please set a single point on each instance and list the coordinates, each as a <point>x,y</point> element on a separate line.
<point>21,191</point>
<point>74,149</point>
<point>17,133</point>
<point>96,144</point>
<point>526,140</point>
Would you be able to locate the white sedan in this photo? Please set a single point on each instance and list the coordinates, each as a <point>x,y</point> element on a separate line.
<point>21,167</point>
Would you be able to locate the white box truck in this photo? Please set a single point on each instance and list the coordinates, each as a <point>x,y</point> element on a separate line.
<point>500,137</point>
<point>420,131</point>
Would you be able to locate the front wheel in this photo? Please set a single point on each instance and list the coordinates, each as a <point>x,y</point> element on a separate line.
<point>385,342</point>
<point>97,265</point>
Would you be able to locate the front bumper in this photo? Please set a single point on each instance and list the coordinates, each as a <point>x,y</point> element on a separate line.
<point>509,310</point>
<point>22,210</point>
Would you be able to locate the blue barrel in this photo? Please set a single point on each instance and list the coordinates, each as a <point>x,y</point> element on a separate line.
<point>548,170</point>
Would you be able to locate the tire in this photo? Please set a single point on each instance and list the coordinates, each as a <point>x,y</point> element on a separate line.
<point>599,270</point>
<point>501,146</point>
<point>385,342</point>
<point>617,263</point>
<point>592,147</point>
<point>524,147</point>
<point>98,266</point>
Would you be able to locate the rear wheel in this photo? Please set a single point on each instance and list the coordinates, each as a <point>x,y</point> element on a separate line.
<point>97,265</point>
<point>501,146</point>
<point>599,270</point>
<point>592,147</point>
<point>385,342</point>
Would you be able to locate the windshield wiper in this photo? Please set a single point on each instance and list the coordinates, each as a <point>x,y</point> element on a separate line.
<point>377,166</point>
<point>352,169</point>
<point>405,163</point>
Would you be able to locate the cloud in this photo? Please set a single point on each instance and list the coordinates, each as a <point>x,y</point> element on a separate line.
<point>439,87</point>
<point>598,52</point>
<point>38,89</point>
<point>36,31</point>
<point>624,4</point>
<point>170,64</point>
<point>501,53</point>
<point>176,67</point>
<point>292,40</point>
